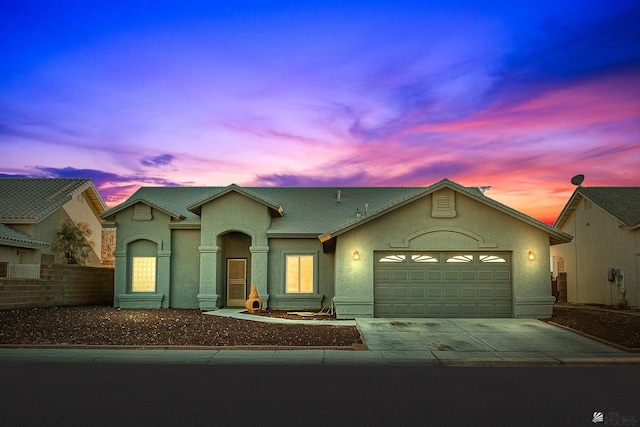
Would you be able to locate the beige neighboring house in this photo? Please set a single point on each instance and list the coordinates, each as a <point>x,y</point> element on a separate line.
<point>602,262</point>
<point>31,212</point>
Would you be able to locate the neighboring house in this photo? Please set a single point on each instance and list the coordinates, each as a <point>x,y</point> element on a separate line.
<point>602,263</point>
<point>442,251</point>
<point>31,213</point>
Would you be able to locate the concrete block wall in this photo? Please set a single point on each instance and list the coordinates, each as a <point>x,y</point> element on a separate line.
<point>59,284</point>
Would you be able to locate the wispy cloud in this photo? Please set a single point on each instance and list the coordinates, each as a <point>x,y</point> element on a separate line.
<point>157,161</point>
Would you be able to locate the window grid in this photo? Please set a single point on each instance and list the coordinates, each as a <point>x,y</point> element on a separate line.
<point>144,274</point>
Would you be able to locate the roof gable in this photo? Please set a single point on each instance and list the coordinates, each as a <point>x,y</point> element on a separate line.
<point>30,200</point>
<point>623,203</point>
<point>197,207</point>
<point>555,235</point>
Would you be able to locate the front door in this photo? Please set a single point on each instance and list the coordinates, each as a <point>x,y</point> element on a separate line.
<point>236,282</point>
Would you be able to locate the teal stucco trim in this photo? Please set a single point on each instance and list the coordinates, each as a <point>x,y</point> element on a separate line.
<point>142,300</point>
<point>538,307</point>
<point>353,307</point>
<point>299,301</point>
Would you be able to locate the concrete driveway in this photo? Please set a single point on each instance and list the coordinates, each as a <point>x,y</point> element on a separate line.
<point>482,340</point>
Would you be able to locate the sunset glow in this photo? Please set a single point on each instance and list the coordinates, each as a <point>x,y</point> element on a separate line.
<point>519,96</point>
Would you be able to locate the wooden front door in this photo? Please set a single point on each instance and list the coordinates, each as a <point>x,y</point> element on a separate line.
<point>236,282</point>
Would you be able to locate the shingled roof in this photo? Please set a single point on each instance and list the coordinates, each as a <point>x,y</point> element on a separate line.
<point>30,200</point>
<point>623,203</point>
<point>10,237</point>
<point>310,211</point>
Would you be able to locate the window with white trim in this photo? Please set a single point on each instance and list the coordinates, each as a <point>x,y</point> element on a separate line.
<point>299,274</point>
<point>143,274</point>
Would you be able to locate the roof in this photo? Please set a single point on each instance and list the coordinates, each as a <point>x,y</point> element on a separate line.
<point>322,212</point>
<point>30,200</point>
<point>10,237</point>
<point>623,203</point>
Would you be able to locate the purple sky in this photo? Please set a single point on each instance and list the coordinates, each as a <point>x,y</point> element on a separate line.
<point>517,95</point>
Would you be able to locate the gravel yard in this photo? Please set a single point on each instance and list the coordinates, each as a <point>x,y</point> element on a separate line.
<point>101,325</point>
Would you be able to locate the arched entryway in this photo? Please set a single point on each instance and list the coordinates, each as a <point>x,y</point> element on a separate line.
<point>236,267</point>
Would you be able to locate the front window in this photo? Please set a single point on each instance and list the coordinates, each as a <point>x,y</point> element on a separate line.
<point>299,274</point>
<point>144,274</point>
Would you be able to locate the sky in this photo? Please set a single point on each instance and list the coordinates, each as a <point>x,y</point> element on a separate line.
<point>519,96</point>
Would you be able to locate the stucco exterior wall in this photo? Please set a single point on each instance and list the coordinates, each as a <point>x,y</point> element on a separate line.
<point>600,242</point>
<point>78,209</point>
<point>185,268</point>
<point>14,255</point>
<point>129,235</point>
<point>476,227</point>
<point>323,274</point>
<point>232,212</point>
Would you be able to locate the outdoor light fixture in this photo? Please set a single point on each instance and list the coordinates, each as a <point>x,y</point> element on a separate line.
<point>356,256</point>
<point>531,256</point>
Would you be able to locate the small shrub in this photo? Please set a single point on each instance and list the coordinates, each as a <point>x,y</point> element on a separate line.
<point>73,242</point>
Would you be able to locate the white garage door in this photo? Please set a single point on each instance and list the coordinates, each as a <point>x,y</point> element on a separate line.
<point>442,284</point>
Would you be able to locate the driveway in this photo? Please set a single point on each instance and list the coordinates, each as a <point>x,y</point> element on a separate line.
<point>488,340</point>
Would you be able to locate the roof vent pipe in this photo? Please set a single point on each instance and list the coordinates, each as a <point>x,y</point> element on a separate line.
<point>358,213</point>
<point>338,195</point>
<point>366,208</point>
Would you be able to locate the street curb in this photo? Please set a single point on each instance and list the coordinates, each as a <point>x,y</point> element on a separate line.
<point>601,340</point>
<point>352,347</point>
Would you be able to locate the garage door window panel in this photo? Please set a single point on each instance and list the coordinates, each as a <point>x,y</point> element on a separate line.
<point>424,259</point>
<point>492,258</point>
<point>464,258</point>
<point>393,258</point>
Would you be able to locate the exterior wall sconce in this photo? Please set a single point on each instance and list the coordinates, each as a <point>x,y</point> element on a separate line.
<point>356,256</point>
<point>531,256</point>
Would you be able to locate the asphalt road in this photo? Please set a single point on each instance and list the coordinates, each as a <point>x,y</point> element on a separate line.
<point>71,394</point>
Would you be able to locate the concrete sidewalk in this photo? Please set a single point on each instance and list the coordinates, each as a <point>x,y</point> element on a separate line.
<point>436,342</point>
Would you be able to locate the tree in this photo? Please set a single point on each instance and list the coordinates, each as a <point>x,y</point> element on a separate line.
<point>73,242</point>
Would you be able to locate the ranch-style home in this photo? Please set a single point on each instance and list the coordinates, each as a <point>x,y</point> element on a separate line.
<point>602,263</point>
<point>31,213</point>
<point>439,251</point>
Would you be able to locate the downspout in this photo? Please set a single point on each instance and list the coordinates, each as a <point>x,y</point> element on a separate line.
<point>575,248</point>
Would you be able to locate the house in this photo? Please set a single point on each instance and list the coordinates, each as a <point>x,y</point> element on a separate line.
<point>31,213</point>
<point>440,251</point>
<point>602,262</point>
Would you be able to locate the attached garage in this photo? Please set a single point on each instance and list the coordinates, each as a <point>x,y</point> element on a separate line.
<point>442,284</point>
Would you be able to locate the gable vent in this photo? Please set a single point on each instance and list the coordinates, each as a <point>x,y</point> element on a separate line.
<point>443,204</point>
<point>142,212</point>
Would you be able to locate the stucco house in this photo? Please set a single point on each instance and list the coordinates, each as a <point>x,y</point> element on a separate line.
<point>443,250</point>
<point>602,262</point>
<point>31,213</point>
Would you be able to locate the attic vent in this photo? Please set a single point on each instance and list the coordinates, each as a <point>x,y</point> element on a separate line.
<point>142,212</point>
<point>443,204</point>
